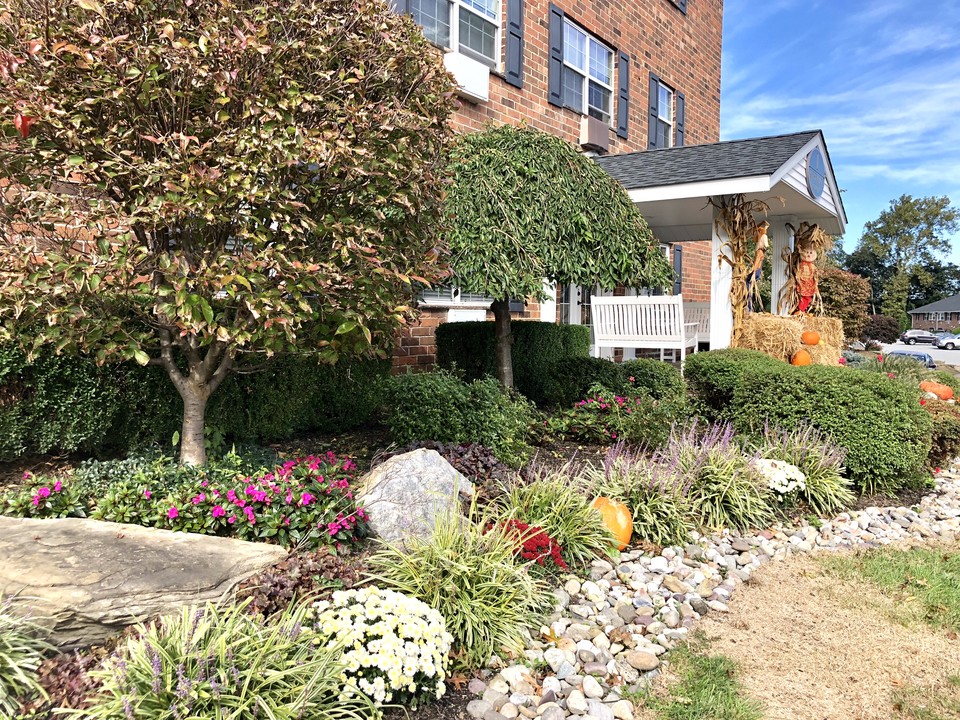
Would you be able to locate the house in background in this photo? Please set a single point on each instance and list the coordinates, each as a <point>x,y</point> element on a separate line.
<point>940,315</point>
<point>636,85</point>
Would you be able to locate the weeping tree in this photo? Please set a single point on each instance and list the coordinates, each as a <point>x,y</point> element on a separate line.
<point>525,207</point>
<point>201,185</point>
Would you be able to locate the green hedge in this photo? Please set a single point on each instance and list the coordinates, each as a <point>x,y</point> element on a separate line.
<point>712,377</point>
<point>878,421</point>
<point>67,403</point>
<point>470,346</point>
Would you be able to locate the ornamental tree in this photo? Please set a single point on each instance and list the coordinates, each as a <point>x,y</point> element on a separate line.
<point>525,206</point>
<point>202,184</point>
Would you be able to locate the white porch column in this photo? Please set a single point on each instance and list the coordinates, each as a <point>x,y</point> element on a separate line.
<point>548,307</point>
<point>780,238</point>
<point>721,278</point>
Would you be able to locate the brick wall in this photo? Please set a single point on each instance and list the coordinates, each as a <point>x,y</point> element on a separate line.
<point>682,50</point>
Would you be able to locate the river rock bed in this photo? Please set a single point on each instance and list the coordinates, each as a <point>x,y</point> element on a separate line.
<point>609,631</point>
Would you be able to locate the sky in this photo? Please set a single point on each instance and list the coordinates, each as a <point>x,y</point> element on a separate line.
<point>880,78</point>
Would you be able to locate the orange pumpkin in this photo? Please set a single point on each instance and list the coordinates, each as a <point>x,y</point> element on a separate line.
<point>944,392</point>
<point>616,518</point>
<point>810,337</point>
<point>801,357</point>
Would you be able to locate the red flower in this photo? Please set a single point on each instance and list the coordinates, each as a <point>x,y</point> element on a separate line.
<point>22,123</point>
<point>922,401</point>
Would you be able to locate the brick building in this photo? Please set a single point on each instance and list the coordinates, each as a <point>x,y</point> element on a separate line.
<point>636,85</point>
<point>610,77</point>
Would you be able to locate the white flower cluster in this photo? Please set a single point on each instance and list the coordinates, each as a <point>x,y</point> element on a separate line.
<point>392,643</point>
<point>782,477</point>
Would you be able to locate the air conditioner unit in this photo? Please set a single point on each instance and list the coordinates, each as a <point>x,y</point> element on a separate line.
<point>472,77</point>
<point>594,134</point>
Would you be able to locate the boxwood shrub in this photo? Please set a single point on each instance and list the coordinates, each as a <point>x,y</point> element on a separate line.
<point>470,347</point>
<point>712,377</point>
<point>877,420</point>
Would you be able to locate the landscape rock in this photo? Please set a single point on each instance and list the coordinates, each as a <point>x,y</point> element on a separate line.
<point>87,580</point>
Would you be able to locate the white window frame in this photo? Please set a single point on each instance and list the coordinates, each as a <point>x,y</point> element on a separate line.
<point>586,75</point>
<point>458,6</point>
<point>449,296</point>
<point>671,120</point>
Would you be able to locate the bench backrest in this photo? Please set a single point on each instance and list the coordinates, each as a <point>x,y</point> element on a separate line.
<point>638,318</point>
<point>698,312</point>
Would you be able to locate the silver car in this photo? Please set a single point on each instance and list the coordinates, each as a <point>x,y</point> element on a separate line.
<point>948,341</point>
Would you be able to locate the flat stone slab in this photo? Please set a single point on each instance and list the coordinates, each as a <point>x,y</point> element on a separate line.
<point>86,579</point>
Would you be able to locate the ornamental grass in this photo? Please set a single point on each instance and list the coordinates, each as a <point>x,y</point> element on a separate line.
<point>22,648</point>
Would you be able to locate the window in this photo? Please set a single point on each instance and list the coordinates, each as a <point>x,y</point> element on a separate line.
<point>681,5</point>
<point>587,73</point>
<point>666,115</point>
<point>470,26</point>
<point>446,295</point>
<point>664,118</point>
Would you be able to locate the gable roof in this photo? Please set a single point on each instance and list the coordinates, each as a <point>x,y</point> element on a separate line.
<point>703,163</point>
<point>950,304</point>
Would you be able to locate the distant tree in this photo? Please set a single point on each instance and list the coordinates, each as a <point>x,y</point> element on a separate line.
<point>845,297</point>
<point>933,282</point>
<point>911,235</point>
<point>247,178</point>
<point>525,206</point>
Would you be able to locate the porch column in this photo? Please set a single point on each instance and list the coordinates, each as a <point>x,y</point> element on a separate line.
<point>721,277</point>
<point>780,238</point>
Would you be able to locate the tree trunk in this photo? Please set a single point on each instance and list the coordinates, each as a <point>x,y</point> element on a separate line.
<point>193,448</point>
<point>501,317</point>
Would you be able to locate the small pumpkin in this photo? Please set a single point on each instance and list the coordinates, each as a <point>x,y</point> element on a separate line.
<point>810,337</point>
<point>944,392</point>
<point>616,518</point>
<point>801,357</point>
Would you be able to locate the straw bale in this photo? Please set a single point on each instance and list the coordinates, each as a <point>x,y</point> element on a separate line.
<point>824,353</point>
<point>830,329</point>
<point>775,335</point>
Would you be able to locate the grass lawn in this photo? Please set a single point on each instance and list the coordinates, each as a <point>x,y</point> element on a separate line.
<point>925,581</point>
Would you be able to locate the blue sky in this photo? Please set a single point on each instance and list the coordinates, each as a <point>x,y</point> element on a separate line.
<point>880,78</point>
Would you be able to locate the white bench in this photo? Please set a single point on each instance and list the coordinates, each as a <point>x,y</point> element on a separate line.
<point>699,313</point>
<point>648,323</point>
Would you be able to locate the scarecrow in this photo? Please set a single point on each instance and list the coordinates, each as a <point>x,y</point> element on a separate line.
<point>801,294</point>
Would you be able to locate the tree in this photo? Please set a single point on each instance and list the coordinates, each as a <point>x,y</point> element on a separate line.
<point>935,281</point>
<point>525,206</point>
<point>202,185</point>
<point>907,238</point>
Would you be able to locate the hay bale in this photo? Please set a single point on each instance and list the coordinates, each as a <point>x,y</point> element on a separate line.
<point>824,353</point>
<point>776,335</point>
<point>830,329</point>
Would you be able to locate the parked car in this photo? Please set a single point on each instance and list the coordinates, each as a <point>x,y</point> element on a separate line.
<point>921,357</point>
<point>912,337</point>
<point>948,341</point>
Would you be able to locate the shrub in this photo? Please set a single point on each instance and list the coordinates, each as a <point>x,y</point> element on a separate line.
<point>877,421</point>
<point>396,647</point>
<point>660,380</point>
<point>604,417</point>
<point>905,369</point>
<point>881,328</point>
<point>845,297</point>
<point>712,377</point>
<point>825,490</point>
<point>472,578</point>
<point>45,498</point>
<point>22,648</point>
<point>440,407</point>
<point>570,379</point>
<point>657,498</point>
<point>470,348</point>
<point>555,501</point>
<point>219,662</point>
<point>945,435</point>
<point>725,490</point>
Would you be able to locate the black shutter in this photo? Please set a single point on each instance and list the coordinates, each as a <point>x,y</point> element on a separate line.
<point>623,95</point>
<point>677,269</point>
<point>516,305</point>
<point>555,62</point>
<point>679,118</point>
<point>513,63</point>
<point>654,101</point>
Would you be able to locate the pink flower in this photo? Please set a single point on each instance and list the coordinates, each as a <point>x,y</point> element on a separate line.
<point>306,498</point>
<point>889,375</point>
<point>36,500</point>
<point>232,519</point>
<point>630,378</point>
<point>44,492</point>
<point>231,496</point>
<point>879,358</point>
<point>57,486</point>
<point>197,499</point>
<point>173,513</point>
<point>218,511</point>
<point>147,494</point>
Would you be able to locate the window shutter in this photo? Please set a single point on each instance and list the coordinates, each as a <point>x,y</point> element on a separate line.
<point>623,95</point>
<point>682,4</point>
<point>677,269</point>
<point>654,101</point>
<point>513,63</point>
<point>517,306</point>
<point>555,63</point>
<point>679,120</point>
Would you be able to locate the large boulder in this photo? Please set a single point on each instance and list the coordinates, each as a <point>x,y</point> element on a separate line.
<point>405,494</point>
<point>86,580</point>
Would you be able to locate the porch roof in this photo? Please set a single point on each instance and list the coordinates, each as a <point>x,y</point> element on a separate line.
<point>671,186</point>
